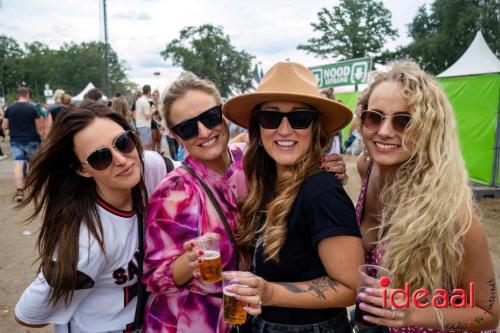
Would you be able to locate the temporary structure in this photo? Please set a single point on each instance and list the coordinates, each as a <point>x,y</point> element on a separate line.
<point>82,93</point>
<point>472,84</point>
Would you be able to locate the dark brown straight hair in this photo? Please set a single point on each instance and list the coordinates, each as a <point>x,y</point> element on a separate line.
<point>65,199</point>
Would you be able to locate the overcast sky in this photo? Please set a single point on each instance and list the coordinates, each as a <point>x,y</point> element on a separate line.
<point>139,30</point>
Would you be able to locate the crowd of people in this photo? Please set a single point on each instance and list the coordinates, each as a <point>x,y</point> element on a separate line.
<point>122,225</point>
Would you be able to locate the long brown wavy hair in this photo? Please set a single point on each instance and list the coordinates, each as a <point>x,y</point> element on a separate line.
<point>65,199</point>
<point>270,198</point>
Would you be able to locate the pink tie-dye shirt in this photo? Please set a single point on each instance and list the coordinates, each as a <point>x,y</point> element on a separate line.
<point>178,211</point>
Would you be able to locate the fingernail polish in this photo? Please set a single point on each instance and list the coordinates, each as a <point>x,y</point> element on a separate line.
<point>362,305</point>
<point>327,168</point>
<point>200,252</point>
<point>362,295</point>
<point>369,290</point>
<point>238,297</point>
<point>192,244</point>
<point>200,261</point>
<point>322,159</point>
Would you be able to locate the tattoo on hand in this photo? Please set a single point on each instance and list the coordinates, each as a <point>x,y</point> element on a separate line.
<point>316,287</point>
<point>493,294</point>
<point>456,326</point>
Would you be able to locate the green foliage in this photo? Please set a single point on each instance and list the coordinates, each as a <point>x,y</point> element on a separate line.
<point>70,67</point>
<point>207,52</point>
<point>442,36</point>
<point>353,29</point>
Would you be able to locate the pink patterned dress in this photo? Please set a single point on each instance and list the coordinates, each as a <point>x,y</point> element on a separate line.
<point>178,211</point>
<point>374,257</point>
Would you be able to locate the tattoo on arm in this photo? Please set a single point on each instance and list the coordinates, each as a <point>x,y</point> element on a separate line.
<point>316,287</point>
<point>456,326</point>
<point>493,294</point>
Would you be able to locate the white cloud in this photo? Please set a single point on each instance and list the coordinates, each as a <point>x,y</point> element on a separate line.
<point>139,30</point>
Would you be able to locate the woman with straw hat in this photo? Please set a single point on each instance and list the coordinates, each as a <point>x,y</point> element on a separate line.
<point>298,229</point>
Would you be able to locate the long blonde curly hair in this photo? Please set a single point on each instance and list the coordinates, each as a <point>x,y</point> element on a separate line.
<point>270,199</point>
<point>428,207</point>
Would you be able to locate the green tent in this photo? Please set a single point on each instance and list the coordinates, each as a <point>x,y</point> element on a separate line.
<point>472,85</point>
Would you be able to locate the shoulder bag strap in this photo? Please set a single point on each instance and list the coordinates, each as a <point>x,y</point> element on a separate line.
<point>215,203</point>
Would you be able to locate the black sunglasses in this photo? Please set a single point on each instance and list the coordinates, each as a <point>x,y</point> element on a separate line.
<point>101,158</point>
<point>372,120</point>
<point>298,119</point>
<point>188,129</point>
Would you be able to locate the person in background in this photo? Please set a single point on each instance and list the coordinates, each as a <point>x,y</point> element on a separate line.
<point>135,97</point>
<point>57,101</point>
<point>416,210</point>
<point>354,144</point>
<point>143,116</point>
<point>63,105</point>
<point>120,106</point>
<point>94,94</point>
<point>2,134</point>
<point>25,126</point>
<point>89,243</point>
<point>155,121</point>
<point>336,146</point>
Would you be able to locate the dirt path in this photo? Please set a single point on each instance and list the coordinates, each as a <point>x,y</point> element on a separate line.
<point>18,253</point>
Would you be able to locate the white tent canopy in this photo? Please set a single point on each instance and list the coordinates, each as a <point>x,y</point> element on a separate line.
<point>82,93</point>
<point>478,59</point>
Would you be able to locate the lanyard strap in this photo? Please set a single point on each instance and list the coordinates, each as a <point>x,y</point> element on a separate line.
<point>215,203</point>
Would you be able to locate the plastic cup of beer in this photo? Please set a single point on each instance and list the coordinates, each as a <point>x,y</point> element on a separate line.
<point>369,276</point>
<point>233,308</point>
<point>211,266</point>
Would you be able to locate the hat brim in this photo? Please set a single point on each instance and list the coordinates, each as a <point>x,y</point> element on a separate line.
<point>334,115</point>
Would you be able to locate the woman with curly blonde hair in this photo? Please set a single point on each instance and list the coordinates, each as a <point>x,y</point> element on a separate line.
<point>416,210</point>
<point>297,230</point>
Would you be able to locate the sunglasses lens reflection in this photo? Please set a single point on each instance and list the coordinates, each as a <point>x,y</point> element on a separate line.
<point>100,159</point>
<point>400,122</point>
<point>125,143</point>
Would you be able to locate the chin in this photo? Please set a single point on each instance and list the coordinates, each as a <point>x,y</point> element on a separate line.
<point>389,161</point>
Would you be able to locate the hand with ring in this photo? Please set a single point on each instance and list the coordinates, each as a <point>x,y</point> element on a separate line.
<point>371,301</point>
<point>335,163</point>
<point>247,287</point>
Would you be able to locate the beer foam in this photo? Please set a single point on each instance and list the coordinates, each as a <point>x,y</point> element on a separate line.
<point>208,255</point>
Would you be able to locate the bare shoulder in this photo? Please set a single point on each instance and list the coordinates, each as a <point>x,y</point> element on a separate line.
<point>476,235</point>
<point>362,164</point>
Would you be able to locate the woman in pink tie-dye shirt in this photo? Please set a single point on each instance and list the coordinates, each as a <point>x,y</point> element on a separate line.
<point>180,210</point>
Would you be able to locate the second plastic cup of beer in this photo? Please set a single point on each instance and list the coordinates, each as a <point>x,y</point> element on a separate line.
<point>233,308</point>
<point>211,267</point>
<point>369,277</point>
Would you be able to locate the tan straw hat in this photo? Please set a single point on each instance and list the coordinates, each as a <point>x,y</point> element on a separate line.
<point>289,82</point>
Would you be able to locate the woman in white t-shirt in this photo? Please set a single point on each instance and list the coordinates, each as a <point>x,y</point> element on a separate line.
<point>90,185</point>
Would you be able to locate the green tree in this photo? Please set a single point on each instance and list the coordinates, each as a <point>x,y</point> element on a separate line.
<point>70,67</point>
<point>442,35</point>
<point>11,54</point>
<point>82,63</point>
<point>353,29</point>
<point>207,52</point>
